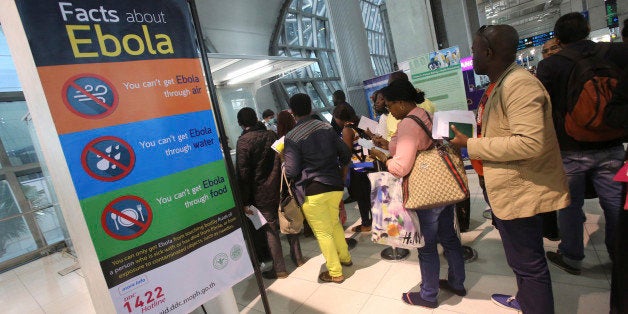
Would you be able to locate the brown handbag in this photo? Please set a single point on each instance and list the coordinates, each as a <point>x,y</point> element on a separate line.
<point>289,212</point>
<point>437,178</point>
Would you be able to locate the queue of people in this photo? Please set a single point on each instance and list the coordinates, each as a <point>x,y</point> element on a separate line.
<point>531,169</point>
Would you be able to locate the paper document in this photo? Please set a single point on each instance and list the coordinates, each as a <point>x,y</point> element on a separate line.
<point>256,218</point>
<point>463,120</point>
<point>366,123</point>
<point>366,144</point>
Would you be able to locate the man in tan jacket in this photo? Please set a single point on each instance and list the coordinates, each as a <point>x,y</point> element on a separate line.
<point>522,165</point>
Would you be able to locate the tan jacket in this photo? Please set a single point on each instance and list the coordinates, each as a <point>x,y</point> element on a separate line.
<point>523,169</point>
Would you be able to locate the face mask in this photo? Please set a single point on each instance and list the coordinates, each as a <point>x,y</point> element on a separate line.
<point>272,121</point>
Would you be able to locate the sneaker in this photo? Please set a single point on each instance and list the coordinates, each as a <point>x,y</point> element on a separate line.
<point>557,259</point>
<point>326,277</point>
<point>506,301</point>
<point>444,284</point>
<point>271,274</point>
<point>347,264</point>
<point>414,298</point>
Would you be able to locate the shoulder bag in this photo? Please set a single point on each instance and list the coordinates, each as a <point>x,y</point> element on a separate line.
<point>290,214</point>
<point>437,178</point>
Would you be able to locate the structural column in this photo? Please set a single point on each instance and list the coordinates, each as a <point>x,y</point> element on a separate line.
<point>352,50</point>
<point>412,28</point>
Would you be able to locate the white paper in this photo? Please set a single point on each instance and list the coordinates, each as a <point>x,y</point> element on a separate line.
<point>443,118</point>
<point>366,123</point>
<point>256,218</point>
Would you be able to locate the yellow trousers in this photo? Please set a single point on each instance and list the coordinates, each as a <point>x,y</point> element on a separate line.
<point>321,212</point>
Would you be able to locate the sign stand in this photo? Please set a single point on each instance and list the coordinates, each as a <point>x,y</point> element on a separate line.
<point>225,148</point>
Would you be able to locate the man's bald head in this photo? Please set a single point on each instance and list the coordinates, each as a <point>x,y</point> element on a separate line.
<point>503,40</point>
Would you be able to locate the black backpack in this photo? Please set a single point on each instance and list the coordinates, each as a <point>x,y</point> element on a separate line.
<point>590,88</point>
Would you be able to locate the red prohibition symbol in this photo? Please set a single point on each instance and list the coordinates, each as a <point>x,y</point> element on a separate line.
<point>90,96</point>
<point>108,158</point>
<point>126,217</point>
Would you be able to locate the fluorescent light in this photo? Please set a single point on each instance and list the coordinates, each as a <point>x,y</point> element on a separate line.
<point>246,69</point>
<point>250,75</point>
<point>223,65</point>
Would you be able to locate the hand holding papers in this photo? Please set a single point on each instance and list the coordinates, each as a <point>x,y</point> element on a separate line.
<point>256,217</point>
<point>462,119</point>
<point>371,125</point>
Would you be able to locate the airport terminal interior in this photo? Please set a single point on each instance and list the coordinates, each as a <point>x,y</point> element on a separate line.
<point>314,47</point>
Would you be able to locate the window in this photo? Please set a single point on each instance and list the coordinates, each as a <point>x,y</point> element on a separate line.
<point>30,219</point>
<point>305,33</point>
<point>378,48</point>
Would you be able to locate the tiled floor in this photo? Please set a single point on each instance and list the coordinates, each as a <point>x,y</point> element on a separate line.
<point>373,285</point>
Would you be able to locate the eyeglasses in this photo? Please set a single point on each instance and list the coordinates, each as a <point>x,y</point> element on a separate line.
<point>481,33</point>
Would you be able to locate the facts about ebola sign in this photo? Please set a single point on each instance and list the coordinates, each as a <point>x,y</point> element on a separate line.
<point>126,90</point>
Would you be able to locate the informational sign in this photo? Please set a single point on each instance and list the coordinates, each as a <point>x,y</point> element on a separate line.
<point>126,90</point>
<point>439,75</point>
<point>372,85</point>
<point>534,41</point>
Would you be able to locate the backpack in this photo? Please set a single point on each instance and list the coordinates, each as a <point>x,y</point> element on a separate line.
<point>590,88</point>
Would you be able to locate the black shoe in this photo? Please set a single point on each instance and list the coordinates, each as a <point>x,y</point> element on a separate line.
<point>469,254</point>
<point>347,264</point>
<point>351,243</point>
<point>557,259</point>
<point>271,274</point>
<point>444,284</point>
<point>348,200</point>
<point>552,237</point>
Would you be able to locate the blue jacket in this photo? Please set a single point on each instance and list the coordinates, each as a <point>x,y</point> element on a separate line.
<point>314,152</point>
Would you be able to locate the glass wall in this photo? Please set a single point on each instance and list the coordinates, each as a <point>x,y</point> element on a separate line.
<point>305,33</point>
<point>378,46</point>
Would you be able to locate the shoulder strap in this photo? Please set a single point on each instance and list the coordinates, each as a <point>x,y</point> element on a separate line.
<point>284,179</point>
<point>422,124</point>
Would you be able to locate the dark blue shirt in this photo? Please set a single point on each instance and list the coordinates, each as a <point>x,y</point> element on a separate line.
<point>314,152</point>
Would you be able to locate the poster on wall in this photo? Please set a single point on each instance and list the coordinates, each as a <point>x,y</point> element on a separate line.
<point>372,85</point>
<point>126,91</point>
<point>439,75</point>
<point>474,84</point>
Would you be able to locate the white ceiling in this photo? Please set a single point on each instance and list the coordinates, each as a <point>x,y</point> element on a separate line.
<point>529,17</point>
<point>239,26</point>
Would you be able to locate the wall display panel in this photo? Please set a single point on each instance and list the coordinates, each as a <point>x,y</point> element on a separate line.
<point>439,75</point>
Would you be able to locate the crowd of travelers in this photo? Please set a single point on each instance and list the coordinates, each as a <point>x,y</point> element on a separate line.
<point>535,167</point>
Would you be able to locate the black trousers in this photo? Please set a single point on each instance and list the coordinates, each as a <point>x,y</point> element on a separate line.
<point>360,191</point>
<point>523,244</point>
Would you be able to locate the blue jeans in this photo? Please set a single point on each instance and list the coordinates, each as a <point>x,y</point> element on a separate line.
<point>601,165</point>
<point>437,225</point>
<point>523,244</point>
